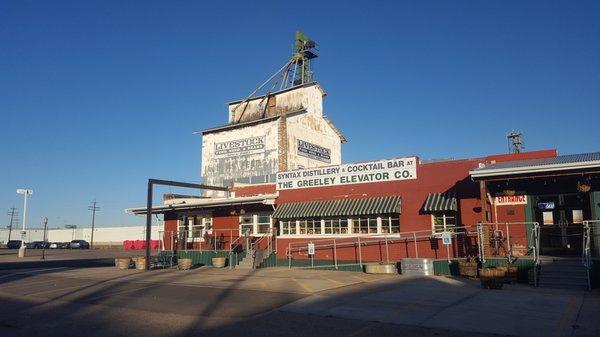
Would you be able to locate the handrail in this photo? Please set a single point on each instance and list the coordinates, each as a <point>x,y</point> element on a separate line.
<point>400,236</point>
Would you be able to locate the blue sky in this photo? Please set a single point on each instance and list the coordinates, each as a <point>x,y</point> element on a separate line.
<point>97,96</point>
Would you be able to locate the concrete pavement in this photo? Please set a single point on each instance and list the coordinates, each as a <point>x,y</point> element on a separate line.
<point>101,301</point>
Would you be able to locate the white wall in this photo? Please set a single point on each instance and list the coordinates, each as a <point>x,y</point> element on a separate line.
<point>102,235</point>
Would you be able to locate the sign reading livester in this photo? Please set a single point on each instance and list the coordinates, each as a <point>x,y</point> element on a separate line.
<point>360,173</point>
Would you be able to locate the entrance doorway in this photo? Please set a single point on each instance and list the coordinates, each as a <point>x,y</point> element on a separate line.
<point>561,222</point>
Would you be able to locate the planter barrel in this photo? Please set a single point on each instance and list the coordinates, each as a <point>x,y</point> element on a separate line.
<point>492,278</point>
<point>123,262</point>
<point>219,262</point>
<point>184,264</point>
<point>510,272</point>
<point>140,263</point>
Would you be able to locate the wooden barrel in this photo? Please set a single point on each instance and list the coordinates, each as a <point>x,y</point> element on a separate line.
<point>219,262</point>
<point>491,273</point>
<point>510,272</point>
<point>123,262</point>
<point>491,278</point>
<point>184,264</point>
<point>140,263</point>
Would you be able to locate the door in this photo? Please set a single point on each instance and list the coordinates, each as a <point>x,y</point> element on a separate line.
<point>561,222</point>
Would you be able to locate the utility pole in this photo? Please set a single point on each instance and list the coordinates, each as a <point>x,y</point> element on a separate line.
<point>45,221</point>
<point>13,217</point>
<point>94,209</point>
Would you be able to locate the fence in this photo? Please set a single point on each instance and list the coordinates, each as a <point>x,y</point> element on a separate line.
<point>509,240</point>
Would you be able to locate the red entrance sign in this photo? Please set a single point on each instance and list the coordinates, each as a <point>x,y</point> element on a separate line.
<point>510,200</point>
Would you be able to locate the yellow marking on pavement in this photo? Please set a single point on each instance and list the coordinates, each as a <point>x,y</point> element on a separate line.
<point>303,286</point>
<point>334,281</point>
<point>360,278</point>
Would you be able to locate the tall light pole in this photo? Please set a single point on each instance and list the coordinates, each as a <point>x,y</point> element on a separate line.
<point>25,193</point>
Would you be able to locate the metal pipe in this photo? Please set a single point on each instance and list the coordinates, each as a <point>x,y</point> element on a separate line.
<point>148,222</point>
<point>387,251</point>
<point>335,254</point>
<point>359,252</point>
<point>416,249</point>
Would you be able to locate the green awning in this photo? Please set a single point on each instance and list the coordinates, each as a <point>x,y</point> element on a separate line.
<point>340,207</point>
<point>440,202</point>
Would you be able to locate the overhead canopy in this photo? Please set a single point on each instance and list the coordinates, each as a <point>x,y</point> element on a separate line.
<point>440,202</point>
<point>572,163</point>
<point>341,207</point>
<point>205,203</point>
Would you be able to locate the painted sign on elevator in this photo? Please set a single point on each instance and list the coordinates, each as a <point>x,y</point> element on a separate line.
<point>359,173</point>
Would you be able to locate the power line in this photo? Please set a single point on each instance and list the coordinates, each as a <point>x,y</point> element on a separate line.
<point>94,209</point>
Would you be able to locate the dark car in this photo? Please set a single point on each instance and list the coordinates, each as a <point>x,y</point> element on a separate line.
<point>79,244</point>
<point>37,245</point>
<point>13,244</point>
<point>64,245</point>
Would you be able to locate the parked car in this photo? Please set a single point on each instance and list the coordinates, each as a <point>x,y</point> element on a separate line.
<point>79,244</point>
<point>56,245</point>
<point>36,245</point>
<point>64,245</point>
<point>13,244</point>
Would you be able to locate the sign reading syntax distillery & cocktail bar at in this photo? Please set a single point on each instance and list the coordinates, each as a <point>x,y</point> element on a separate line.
<point>359,173</point>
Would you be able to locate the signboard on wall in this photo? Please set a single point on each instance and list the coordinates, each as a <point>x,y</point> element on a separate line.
<point>359,173</point>
<point>313,151</point>
<point>505,200</point>
<point>240,147</point>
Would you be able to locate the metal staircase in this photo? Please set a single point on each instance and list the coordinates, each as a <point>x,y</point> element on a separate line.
<point>569,273</point>
<point>258,251</point>
<point>563,273</point>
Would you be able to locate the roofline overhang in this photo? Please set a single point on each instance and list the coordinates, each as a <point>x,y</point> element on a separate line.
<point>249,123</point>
<point>303,85</point>
<point>479,174</point>
<point>206,204</point>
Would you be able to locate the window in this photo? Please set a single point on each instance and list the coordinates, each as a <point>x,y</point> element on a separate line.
<point>390,224</point>
<point>443,222</point>
<point>288,227</point>
<point>364,225</point>
<point>310,226</point>
<point>246,224</point>
<point>264,223</point>
<point>255,224</point>
<point>336,226</point>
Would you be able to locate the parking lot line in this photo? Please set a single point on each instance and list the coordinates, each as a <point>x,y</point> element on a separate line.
<point>303,286</point>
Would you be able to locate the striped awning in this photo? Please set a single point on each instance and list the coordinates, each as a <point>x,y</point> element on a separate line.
<point>341,207</point>
<point>439,202</point>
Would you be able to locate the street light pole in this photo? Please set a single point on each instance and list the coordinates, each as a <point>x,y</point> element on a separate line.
<point>25,193</point>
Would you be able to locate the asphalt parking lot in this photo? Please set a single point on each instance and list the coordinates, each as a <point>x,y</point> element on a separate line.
<point>97,300</point>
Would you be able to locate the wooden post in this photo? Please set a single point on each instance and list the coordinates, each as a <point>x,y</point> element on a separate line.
<point>483,197</point>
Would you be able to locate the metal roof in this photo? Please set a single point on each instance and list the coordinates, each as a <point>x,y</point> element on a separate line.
<point>206,203</point>
<point>558,163</point>
<point>340,207</point>
<point>439,202</point>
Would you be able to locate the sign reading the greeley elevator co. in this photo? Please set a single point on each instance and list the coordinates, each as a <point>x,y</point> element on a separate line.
<point>314,151</point>
<point>360,173</point>
<point>240,147</point>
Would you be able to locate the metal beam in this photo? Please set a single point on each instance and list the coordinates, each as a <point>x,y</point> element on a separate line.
<point>151,183</point>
